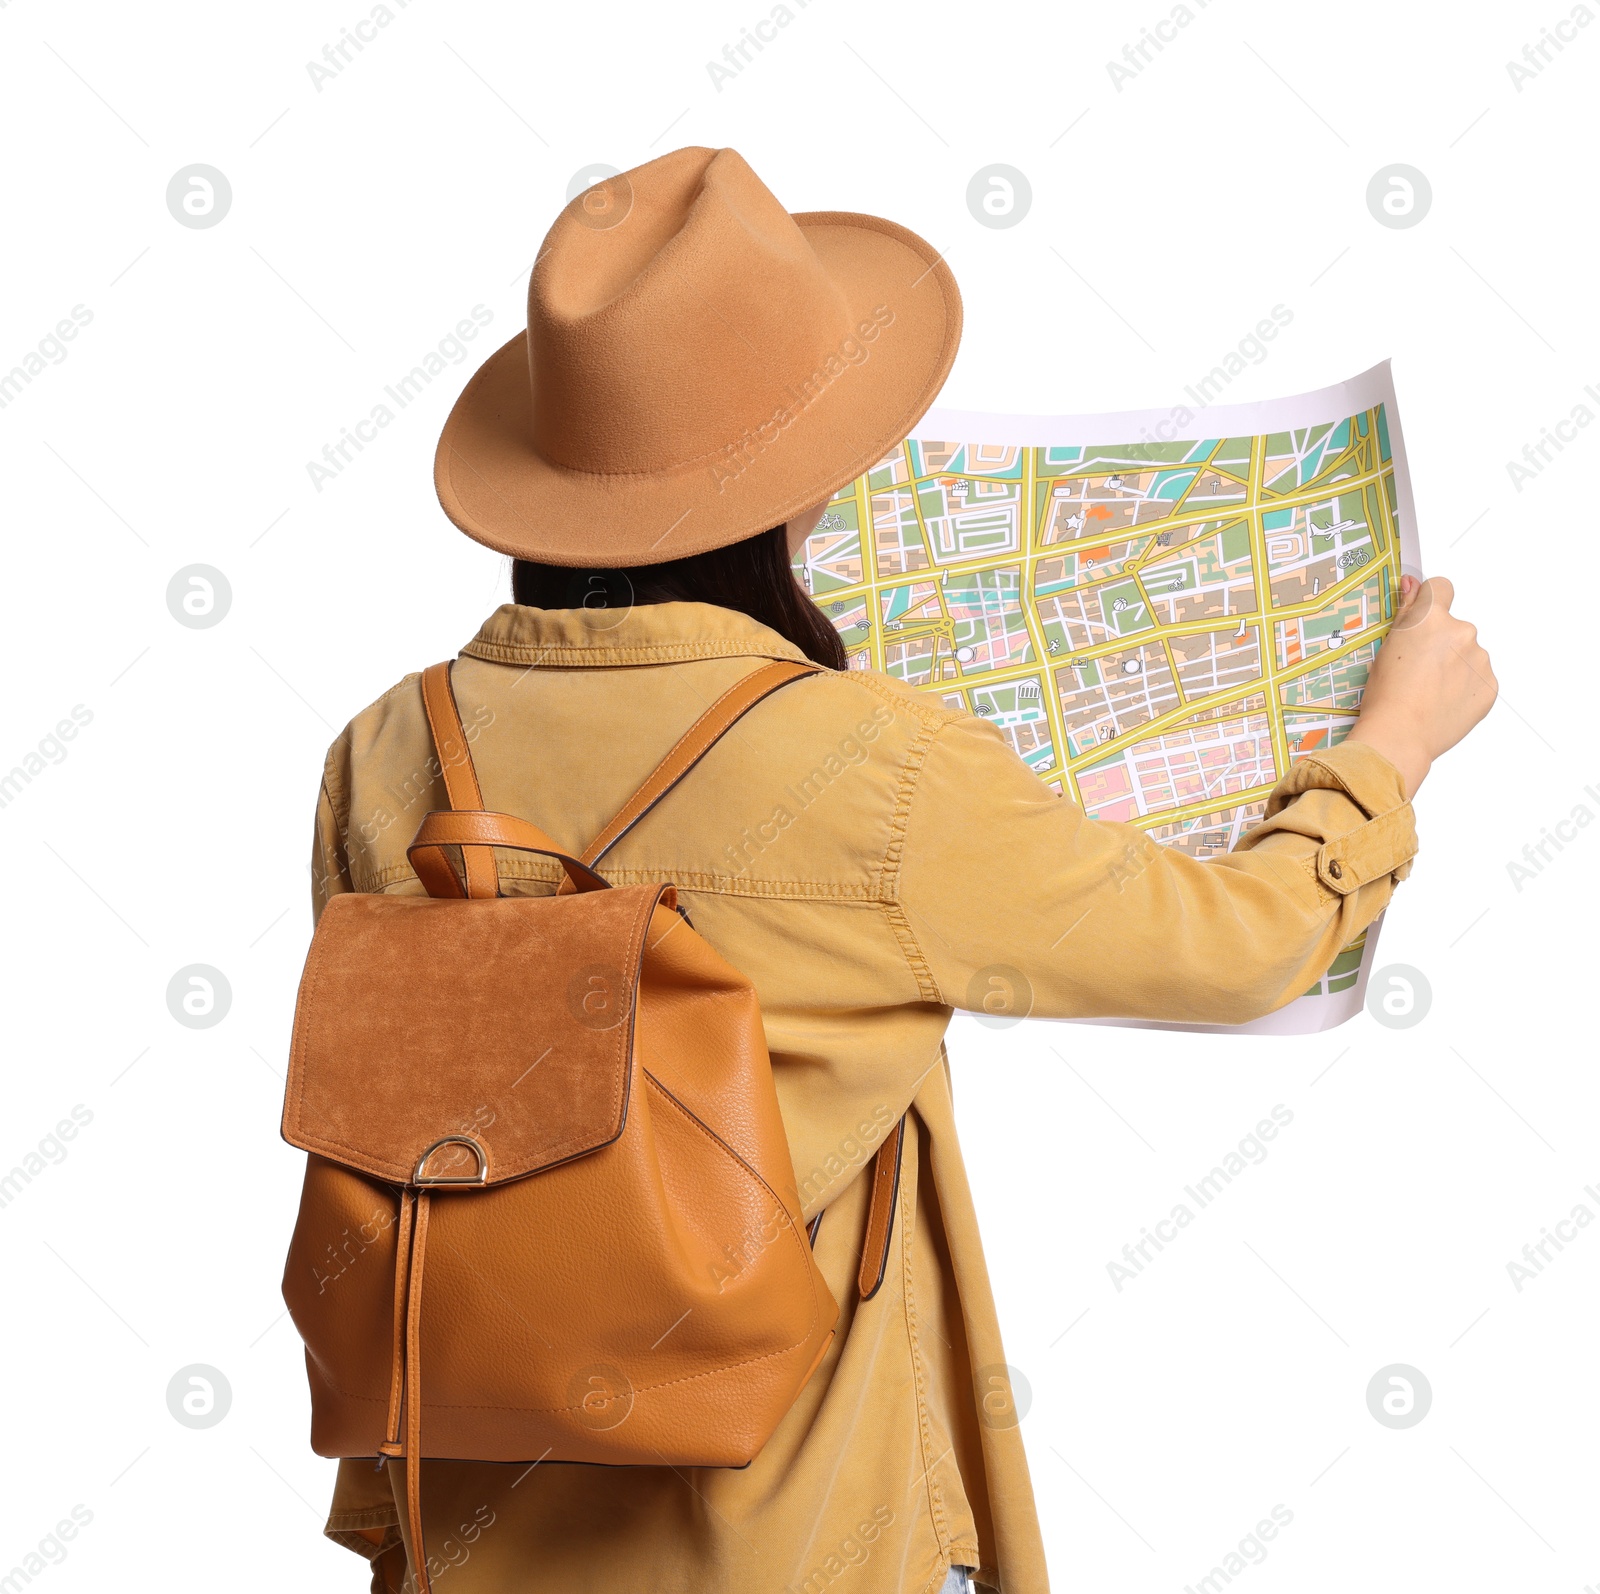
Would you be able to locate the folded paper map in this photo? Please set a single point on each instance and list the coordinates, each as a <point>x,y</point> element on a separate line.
<point>1161,611</point>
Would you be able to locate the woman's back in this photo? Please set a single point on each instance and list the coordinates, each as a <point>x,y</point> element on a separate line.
<point>870,860</point>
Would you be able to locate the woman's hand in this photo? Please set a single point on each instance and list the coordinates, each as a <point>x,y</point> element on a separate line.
<point>1431,683</point>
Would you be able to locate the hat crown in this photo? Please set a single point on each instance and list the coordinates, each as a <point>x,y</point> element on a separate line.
<point>669,311</point>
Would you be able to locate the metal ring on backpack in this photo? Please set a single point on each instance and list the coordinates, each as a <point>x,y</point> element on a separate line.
<point>480,1177</point>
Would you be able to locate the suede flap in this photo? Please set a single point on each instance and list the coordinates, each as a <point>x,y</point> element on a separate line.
<point>502,1027</point>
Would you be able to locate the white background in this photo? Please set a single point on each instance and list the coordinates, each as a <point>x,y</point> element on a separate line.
<point>1168,217</point>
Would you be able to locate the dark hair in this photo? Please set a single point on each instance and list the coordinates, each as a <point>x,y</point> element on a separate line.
<point>753,576</point>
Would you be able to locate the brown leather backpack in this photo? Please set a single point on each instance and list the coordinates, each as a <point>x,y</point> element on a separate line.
<point>560,1110</point>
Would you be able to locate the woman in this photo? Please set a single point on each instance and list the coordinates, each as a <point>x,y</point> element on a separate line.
<point>701,372</point>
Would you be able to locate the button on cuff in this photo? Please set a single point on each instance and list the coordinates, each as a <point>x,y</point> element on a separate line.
<point>1382,846</point>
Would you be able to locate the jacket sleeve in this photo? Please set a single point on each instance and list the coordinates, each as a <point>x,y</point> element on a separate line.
<point>999,877</point>
<point>330,867</point>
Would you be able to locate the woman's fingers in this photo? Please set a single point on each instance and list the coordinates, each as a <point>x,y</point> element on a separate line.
<point>1430,684</point>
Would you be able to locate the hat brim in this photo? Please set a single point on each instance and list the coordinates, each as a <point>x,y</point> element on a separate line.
<point>494,485</point>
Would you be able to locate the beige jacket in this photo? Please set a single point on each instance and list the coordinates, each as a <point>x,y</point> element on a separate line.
<point>871,860</point>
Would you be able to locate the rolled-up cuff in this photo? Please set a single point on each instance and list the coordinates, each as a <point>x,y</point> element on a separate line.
<point>1351,801</point>
<point>1382,846</point>
<point>1356,768</point>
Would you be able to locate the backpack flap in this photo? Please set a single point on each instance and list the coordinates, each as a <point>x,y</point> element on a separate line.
<point>455,1041</point>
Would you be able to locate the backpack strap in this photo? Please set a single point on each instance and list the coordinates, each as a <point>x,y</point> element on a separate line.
<point>881,1203</point>
<point>460,778</point>
<point>475,830</point>
<point>880,1212</point>
<point>694,744</point>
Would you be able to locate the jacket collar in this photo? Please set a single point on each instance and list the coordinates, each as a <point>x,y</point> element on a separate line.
<point>649,633</point>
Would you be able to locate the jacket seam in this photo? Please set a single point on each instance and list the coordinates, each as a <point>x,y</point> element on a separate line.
<point>932,717</point>
<point>354,1539</point>
<point>602,655</point>
<point>689,882</point>
<point>337,845</point>
<point>941,1568</point>
<point>372,1516</point>
<point>941,1531</point>
<point>889,869</point>
<point>334,787</point>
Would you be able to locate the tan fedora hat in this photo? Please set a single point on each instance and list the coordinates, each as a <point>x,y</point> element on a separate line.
<point>699,365</point>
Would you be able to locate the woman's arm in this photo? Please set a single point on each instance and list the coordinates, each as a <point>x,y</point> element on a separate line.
<point>999,877</point>
<point>1002,878</point>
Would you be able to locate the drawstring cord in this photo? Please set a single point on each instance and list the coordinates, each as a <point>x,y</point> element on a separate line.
<point>405,1383</point>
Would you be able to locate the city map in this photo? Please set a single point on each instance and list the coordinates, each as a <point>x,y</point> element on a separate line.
<point>1161,627</point>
